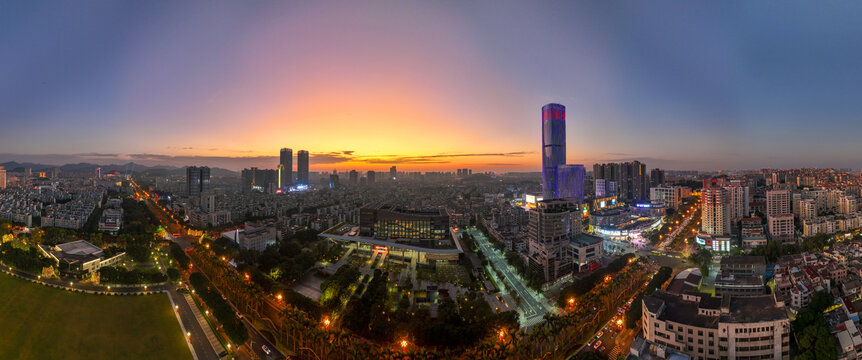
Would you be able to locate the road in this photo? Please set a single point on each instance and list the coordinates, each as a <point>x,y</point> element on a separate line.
<point>256,339</point>
<point>531,308</point>
<point>202,347</point>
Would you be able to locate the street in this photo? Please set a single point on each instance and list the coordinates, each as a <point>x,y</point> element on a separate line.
<point>531,309</point>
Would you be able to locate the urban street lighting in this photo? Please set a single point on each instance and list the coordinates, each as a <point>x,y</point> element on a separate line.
<point>404,344</point>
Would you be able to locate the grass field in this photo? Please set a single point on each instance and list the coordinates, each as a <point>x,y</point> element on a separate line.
<point>39,322</point>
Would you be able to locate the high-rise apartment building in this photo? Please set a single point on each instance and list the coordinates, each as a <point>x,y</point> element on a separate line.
<point>2,178</point>
<point>777,202</point>
<point>333,181</point>
<point>197,180</point>
<point>286,161</point>
<point>371,177</point>
<point>302,167</point>
<point>715,214</point>
<point>656,177</point>
<point>847,204</point>
<point>259,180</point>
<point>392,173</point>
<point>570,179</point>
<point>630,178</point>
<point>738,198</point>
<point>553,147</point>
<point>354,178</point>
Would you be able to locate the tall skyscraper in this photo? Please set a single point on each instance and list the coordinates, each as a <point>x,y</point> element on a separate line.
<point>553,147</point>
<point>392,173</point>
<point>197,180</point>
<point>371,177</point>
<point>333,180</point>
<point>2,178</point>
<point>286,161</point>
<point>302,167</point>
<point>571,181</point>
<point>552,226</point>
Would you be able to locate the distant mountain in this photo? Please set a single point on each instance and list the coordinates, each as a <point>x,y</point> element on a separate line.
<point>157,170</point>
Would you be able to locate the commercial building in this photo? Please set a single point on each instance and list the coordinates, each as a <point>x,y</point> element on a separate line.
<point>707,327</point>
<point>333,181</point>
<point>571,181</point>
<point>671,197</point>
<point>741,276</point>
<point>553,148</point>
<point>79,259</point>
<point>197,180</point>
<point>585,249</point>
<point>777,202</point>
<point>286,162</point>
<point>112,216</point>
<point>383,221</point>
<point>552,225</point>
<point>253,236</point>
<point>302,167</point>
<point>393,172</point>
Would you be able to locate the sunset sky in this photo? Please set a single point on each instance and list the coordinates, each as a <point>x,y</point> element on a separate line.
<point>433,85</point>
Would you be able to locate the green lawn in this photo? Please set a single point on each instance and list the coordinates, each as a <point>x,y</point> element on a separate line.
<point>39,322</point>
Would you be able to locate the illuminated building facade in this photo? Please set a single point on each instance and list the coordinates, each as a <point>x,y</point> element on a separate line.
<point>571,181</point>
<point>390,222</point>
<point>552,226</point>
<point>553,147</point>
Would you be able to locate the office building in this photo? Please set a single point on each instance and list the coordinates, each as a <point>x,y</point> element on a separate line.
<point>777,202</point>
<point>552,225</point>
<point>715,214</point>
<point>302,167</point>
<point>333,181</point>
<point>553,147</point>
<point>197,180</point>
<point>707,327</point>
<point>392,173</point>
<point>570,179</point>
<point>286,162</point>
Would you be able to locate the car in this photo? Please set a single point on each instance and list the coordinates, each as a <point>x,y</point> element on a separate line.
<point>600,334</point>
<point>266,349</point>
<point>597,344</point>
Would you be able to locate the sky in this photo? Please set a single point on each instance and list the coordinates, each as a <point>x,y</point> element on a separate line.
<point>432,85</point>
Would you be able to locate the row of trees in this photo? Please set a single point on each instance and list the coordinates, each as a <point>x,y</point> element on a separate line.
<point>121,275</point>
<point>27,259</point>
<point>813,336</point>
<point>633,315</point>
<point>773,250</point>
<point>587,283</point>
<point>333,288</point>
<point>233,326</point>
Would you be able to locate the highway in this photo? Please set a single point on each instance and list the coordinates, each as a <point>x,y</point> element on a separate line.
<point>531,308</point>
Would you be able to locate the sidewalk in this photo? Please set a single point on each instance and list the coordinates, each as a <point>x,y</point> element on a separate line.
<point>213,340</point>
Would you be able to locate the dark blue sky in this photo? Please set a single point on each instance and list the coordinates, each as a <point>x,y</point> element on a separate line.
<point>679,85</point>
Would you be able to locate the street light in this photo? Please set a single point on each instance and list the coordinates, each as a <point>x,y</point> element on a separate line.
<point>188,334</point>
<point>326,323</point>
<point>404,344</point>
<point>571,301</point>
<point>278,297</point>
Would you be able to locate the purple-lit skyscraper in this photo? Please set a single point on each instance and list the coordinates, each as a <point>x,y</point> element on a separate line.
<point>553,148</point>
<point>570,179</point>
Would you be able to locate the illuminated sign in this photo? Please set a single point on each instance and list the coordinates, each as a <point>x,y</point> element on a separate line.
<point>644,205</point>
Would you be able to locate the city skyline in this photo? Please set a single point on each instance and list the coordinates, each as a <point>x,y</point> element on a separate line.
<point>697,86</point>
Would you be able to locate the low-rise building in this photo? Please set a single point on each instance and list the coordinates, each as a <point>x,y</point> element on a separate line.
<point>79,259</point>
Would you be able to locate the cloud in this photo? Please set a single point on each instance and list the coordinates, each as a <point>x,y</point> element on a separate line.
<point>94,154</point>
<point>434,159</point>
<point>331,157</point>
